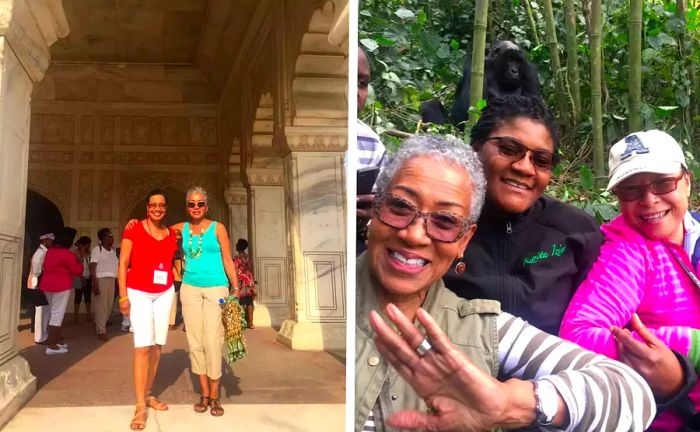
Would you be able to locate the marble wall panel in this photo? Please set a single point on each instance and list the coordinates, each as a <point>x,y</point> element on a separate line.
<point>107,130</point>
<point>85,182</point>
<point>57,129</point>
<point>105,195</point>
<point>87,129</point>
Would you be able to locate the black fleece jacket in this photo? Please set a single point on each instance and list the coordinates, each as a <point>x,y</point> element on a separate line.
<point>531,262</point>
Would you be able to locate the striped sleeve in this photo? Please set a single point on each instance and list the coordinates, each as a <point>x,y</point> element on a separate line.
<point>601,394</point>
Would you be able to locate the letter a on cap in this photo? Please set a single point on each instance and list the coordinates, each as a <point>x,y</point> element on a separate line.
<point>634,145</point>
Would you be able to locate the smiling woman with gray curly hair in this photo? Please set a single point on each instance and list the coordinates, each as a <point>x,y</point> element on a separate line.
<point>478,368</point>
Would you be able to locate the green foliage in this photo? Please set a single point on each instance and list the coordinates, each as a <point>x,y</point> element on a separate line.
<point>417,49</point>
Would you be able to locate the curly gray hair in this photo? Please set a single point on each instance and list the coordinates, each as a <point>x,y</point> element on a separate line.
<point>445,149</point>
<point>196,189</point>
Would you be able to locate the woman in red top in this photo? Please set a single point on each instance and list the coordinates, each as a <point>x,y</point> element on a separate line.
<point>60,266</point>
<point>146,294</point>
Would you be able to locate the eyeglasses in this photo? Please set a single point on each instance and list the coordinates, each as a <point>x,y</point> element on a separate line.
<point>660,186</point>
<point>514,150</point>
<point>157,205</point>
<point>109,235</point>
<point>198,204</point>
<point>398,213</point>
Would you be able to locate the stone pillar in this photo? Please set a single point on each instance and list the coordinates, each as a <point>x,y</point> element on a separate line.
<point>237,202</point>
<point>315,200</point>
<point>267,242</point>
<point>27,29</point>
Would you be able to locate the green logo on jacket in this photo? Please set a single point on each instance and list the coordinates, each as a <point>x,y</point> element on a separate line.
<point>555,251</point>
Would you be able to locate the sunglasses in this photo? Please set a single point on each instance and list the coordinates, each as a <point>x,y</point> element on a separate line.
<point>398,213</point>
<point>514,150</point>
<point>198,204</point>
<point>660,186</point>
<point>157,205</point>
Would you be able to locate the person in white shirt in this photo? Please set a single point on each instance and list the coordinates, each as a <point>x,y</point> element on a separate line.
<point>370,150</point>
<point>39,314</point>
<point>104,265</point>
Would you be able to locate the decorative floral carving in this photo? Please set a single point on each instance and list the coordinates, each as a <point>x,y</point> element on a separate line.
<point>105,190</point>
<point>85,180</point>
<point>54,184</point>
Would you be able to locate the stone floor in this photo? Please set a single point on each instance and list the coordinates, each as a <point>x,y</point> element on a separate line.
<point>273,388</point>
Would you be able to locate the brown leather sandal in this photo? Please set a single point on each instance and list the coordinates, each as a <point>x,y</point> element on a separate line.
<point>202,405</point>
<point>138,422</point>
<point>215,408</point>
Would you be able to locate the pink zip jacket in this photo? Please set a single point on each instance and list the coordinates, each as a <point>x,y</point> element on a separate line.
<point>635,274</point>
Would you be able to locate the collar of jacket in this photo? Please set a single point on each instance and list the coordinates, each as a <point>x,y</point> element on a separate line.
<point>367,300</point>
<point>495,218</point>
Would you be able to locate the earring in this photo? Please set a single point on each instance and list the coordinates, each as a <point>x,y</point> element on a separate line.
<point>461,267</point>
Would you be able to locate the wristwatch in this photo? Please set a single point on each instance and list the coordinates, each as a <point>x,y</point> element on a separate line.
<point>547,402</point>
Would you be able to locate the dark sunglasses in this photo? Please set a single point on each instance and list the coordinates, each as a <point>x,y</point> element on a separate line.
<point>398,213</point>
<point>514,150</point>
<point>198,204</point>
<point>660,186</point>
<point>157,205</point>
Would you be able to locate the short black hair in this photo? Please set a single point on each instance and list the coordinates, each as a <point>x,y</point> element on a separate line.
<point>102,233</point>
<point>241,245</point>
<point>501,110</point>
<point>84,240</point>
<point>155,192</point>
<point>65,236</point>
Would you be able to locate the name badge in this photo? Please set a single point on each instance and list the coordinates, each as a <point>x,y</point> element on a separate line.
<point>160,277</point>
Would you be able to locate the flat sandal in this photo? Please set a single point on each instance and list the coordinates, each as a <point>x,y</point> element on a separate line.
<point>202,405</point>
<point>215,408</point>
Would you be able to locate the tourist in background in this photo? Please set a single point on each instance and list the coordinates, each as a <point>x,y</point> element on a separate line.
<point>246,281</point>
<point>83,283</point>
<point>38,313</point>
<point>61,265</point>
<point>103,273</point>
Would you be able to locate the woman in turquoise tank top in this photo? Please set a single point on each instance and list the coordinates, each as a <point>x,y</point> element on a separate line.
<point>209,271</point>
<point>208,274</point>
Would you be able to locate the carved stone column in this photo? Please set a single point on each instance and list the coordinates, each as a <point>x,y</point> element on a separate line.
<point>268,238</point>
<point>315,199</point>
<point>237,202</point>
<point>27,29</point>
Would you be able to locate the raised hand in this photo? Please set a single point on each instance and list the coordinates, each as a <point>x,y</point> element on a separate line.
<point>461,396</point>
<point>650,357</point>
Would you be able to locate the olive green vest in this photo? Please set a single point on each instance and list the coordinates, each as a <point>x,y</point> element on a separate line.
<point>470,324</point>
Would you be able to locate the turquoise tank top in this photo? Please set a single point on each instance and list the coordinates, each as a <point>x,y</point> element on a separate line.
<point>206,268</point>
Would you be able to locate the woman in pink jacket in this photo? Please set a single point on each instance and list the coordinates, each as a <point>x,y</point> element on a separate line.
<point>60,266</point>
<point>641,298</point>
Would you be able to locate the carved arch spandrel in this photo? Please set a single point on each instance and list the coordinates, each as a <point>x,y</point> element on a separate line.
<point>319,88</point>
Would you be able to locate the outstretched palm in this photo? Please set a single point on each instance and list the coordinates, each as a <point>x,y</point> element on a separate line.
<point>462,396</point>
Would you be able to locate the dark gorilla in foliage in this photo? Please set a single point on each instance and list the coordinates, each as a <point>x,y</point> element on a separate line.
<point>506,72</point>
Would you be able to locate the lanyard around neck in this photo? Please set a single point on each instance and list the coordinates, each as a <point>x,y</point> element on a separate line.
<point>688,271</point>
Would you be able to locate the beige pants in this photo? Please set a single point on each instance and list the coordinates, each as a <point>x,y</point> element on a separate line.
<point>102,304</point>
<point>201,313</point>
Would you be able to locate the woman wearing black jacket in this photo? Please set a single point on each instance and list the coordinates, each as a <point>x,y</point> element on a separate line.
<point>529,252</point>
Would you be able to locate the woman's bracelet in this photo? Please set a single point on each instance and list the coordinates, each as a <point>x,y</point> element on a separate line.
<point>121,299</point>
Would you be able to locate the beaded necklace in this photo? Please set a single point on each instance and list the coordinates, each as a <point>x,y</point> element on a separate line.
<point>194,254</point>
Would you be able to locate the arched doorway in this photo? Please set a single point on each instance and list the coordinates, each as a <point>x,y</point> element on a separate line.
<point>41,216</point>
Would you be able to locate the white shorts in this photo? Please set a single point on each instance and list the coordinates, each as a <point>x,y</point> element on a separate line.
<point>150,315</point>
<point>57,305</point>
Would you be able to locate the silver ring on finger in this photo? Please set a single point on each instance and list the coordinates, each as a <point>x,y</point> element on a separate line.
<point>424,347</point>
